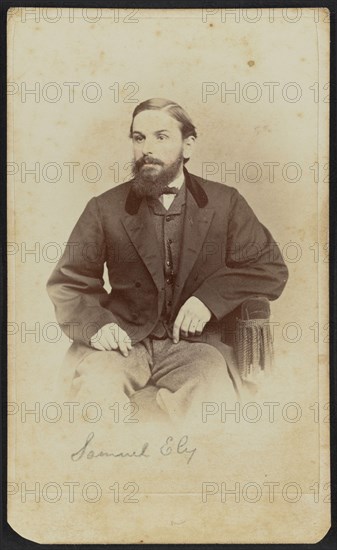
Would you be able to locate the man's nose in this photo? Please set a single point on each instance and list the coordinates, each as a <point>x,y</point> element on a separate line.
<point>148,147</point>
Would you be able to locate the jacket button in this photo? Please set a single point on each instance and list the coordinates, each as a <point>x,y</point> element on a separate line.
<point>138,284</point>
<point>168,218</point>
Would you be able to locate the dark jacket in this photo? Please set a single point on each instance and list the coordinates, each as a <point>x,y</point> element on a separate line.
<point>227,256</point>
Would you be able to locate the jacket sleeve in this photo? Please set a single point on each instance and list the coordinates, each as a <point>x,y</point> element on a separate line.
<point>253,267</point>
<point>76,286</point>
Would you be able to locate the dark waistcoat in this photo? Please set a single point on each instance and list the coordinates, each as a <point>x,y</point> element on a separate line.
<point>169,226</point>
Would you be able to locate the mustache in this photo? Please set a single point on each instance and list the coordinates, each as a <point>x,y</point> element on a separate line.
<point>147,160</point>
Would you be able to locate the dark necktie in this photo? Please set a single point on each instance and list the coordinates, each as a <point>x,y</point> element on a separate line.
<point>170,190</point>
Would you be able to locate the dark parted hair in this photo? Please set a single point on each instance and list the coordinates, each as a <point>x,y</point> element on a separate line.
<point>171,108</point>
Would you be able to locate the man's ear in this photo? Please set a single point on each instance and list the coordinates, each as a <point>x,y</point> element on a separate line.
<point>188,146</point>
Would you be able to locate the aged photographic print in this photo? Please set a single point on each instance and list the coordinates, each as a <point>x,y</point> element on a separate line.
<point>182,253</point>
<point>168,275</point>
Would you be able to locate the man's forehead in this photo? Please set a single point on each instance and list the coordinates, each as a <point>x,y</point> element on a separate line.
<point>153,121</point>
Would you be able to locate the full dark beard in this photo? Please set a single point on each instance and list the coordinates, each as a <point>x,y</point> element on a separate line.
<point>147,183</point>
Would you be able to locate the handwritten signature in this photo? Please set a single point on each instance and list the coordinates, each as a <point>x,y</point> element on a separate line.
<point>169,447</point>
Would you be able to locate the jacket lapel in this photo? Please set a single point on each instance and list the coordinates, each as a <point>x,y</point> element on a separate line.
<point>196,225</point>
<point>141,230</point>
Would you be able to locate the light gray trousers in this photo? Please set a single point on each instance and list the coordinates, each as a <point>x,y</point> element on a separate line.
<point>174,379</point>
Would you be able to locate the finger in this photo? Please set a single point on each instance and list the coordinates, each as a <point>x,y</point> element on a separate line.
<point>104,342</point>
<point>109,336</point>
<point>122,342</point>
<point>200,327</point>
<point>123,348</point>
<point>193,326</point>
<point>185,325</point>
<point>125,344</point>
<point>127,340</point>
<point>177,325</point>
<point>97,346</point>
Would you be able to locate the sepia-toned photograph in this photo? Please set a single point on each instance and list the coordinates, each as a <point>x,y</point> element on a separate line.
<point>168,290</point>
<point>182,254</point>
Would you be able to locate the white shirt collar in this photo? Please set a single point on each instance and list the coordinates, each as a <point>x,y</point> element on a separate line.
<point>167,199</point>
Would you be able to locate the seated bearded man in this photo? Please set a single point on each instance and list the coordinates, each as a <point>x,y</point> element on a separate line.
<point>173,244</point>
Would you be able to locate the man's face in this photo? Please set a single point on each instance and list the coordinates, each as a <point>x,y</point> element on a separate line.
<point>158,145</point>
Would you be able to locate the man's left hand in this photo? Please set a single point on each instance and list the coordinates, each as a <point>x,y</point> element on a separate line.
<point>191,319</point>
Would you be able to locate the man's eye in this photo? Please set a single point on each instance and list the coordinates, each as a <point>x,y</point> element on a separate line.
<point>138,139</point>
<point>161,137</point>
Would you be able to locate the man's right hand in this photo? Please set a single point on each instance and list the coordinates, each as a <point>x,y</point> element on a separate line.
<point>111,337</point>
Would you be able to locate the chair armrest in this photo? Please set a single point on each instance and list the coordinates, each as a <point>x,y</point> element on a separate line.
<point>253,344</point>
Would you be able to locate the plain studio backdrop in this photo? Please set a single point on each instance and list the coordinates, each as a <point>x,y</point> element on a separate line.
<point>256,89</point>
